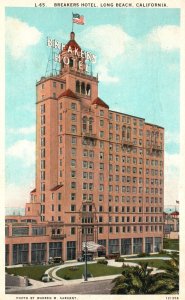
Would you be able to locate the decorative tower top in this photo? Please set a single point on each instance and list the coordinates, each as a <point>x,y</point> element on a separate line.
<point>72,57</point>
<point>72,35</point>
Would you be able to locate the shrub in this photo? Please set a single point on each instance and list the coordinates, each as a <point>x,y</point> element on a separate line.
<point>162,252</point>
<point>102,261</point>
<point>143,254</point>
<point>120,259</point>
<point>67,277</point>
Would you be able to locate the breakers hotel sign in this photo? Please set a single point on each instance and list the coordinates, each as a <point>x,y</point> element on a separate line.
<point>76,52</point>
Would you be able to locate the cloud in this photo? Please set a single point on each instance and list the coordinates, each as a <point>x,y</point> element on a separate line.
<point>171,178</point>
<point>167,37</point>
<point>20,36</point>
<point>24,151</point>
<point>172,137</point>
<point>23,130</point>
<point>110,41</point>
<point>17,196</point>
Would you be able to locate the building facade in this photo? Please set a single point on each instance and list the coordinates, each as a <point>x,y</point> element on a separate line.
<point>99,174</point>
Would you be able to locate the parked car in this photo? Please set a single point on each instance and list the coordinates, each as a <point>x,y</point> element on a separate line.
<point>55,260</point>
<point>46,278</point>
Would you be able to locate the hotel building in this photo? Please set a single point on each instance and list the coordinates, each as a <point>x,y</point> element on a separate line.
<point>99,174</point>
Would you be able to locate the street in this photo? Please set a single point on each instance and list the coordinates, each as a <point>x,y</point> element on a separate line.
<point>91,288</point>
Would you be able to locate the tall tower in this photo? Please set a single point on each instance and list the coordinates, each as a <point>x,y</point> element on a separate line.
<point>98,171</point>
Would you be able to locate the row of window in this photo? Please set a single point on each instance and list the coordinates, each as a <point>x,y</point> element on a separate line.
<point>123,199</point>
<point>54,84</point>
<point>129,229</point>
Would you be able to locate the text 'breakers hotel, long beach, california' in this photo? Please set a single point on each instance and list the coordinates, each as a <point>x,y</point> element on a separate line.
<point>99,174</point>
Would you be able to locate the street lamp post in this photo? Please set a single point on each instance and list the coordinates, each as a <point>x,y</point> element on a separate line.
<point>85,273</point>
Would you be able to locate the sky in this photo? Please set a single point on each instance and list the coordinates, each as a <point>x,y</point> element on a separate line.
<point>138,64</point>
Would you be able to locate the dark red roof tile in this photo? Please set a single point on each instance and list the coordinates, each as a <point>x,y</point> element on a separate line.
<point>68,93</point>
<point>100,102</point>
<point>55,188</point>
<point>73,44</point>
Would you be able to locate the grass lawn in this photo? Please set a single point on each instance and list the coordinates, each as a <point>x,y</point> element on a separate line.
<point>171,244</point>
<point>33,272</point>
<point>95,269</point>
<point>156,263</point>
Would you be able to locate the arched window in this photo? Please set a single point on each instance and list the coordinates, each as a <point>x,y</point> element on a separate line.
<point>78,86</point>
<point>123,132</point>
<point>70,62</point>
<point>83,88</point>
<point>90,124</point>
<point>88,90</point>
<point>84,123</point>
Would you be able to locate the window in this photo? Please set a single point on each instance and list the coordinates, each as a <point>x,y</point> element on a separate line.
<point>85,164</point>
<point>85,186</point>
<point>73,151</point>
<point>73,174</point>
<point>101,134</point>
<point>73,230</point>
<point>73,185</point>
<point>42,164</point>
<point>91,165</point>
<point>73,106</point>
<point>100,219</point>
<point>101,155</point>
<point>101,166</point>
<point>42,142</point>
<point>101,113</point>
<point>42,119</point>
<point>73,196</point>
<point>100,197</point>
<point>91,186</point>
<point>100,230</point>
<point>73,128</point>
<point>101,187</point>
<point>73,117</point>
<point>91,175</point>
<point>42,108</point>
<point>73,163</point>
<point>100,208</point>
<point>101,144</point>
<point>91,153</point>
<point>73,207</point>
<point>101,123</point>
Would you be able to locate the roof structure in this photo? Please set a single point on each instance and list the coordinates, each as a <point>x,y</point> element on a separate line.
<point>68,93</point>
<point>100,102</point>
<point>72,43</point>
<point>57,187</point>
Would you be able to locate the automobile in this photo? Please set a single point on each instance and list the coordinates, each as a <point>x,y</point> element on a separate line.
<point>55,260</point>
<point>46,278</point>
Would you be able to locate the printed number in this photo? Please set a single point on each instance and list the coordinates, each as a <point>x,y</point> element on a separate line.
<point>40,5</point>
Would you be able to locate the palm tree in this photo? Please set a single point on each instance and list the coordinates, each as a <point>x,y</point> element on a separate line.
<point>140,280</point>
<point>171,269</point>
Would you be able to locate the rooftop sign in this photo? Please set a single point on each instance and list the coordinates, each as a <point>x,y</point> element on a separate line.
<point>78,53</point>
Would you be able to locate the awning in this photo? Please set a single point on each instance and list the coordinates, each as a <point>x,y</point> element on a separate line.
<point>92,246</point>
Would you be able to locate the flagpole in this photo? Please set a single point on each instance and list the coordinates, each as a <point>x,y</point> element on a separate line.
<point>72,22</point>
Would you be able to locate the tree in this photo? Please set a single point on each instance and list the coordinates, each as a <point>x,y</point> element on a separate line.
<point>140,280</point>
<point>171,269</point>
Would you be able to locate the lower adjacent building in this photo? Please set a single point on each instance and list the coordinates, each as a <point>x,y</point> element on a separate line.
<point>99,174</point>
